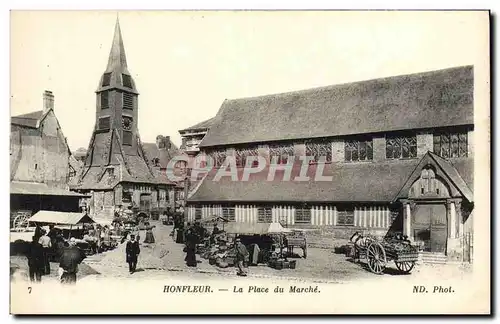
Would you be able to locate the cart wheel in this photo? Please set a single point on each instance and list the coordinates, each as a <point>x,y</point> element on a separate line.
<point>21,222</point>
<point>375,255</point>
<point>405,266</point>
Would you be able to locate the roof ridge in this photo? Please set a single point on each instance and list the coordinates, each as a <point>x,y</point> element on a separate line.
<point>301,91</point>
<point>29,113</point>
<point>439,160</point>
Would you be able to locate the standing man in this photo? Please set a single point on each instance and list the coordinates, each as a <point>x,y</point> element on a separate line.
<point>241,257</point>
<point>132,251</point>
<point>35,261</point>
<point>46,244</point>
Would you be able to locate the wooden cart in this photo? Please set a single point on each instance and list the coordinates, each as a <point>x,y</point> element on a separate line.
<point>378,253</point>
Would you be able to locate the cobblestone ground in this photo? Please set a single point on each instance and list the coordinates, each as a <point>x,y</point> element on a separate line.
<point>160,259</point>
<point>165,259</point>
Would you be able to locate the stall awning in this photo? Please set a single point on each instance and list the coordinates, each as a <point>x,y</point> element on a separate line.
<point>35,188</point>
<point>103,221</point>
<point>64,218</point>
<point>255,228</point>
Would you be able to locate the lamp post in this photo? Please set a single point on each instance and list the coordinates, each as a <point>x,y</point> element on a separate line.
<point>186,191</point>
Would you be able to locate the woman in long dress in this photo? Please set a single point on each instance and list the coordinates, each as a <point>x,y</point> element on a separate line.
<point>191,241</point>
<point>149,235</point>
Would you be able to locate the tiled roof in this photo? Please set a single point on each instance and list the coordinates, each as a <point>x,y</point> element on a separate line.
<point>28,120</point>
<point>368,182</point>
<point>202,125</point>
<point>423,100</point>
<point>351,182</point>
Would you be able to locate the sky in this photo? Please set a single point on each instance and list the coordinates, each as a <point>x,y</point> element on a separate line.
<point>185,64</point>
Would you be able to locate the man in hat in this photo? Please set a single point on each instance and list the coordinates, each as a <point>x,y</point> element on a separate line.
<point>241,257</point>
<point>35,260</point>
<point>132,251</point>
<point>46,244</point>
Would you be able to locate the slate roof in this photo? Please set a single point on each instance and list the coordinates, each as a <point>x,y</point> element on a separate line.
<point>352,182</point>
<point>28,120</point>
<point>424,100</point>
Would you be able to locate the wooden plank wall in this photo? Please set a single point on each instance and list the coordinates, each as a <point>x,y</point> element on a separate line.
<point>369,216</point>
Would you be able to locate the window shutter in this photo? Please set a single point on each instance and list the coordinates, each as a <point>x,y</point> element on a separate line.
<point>128,101</point>
<point>104,123</point>
<point>105,100</point>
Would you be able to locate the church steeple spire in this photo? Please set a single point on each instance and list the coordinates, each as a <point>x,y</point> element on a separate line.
<point>117,59</point>
<point>116,75</point>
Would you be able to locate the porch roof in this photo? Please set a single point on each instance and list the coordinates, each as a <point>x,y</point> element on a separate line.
<point>35,188</point>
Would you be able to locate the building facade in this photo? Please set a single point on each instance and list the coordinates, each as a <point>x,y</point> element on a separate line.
<point>41,164</point>
<point>192,136</point>
<point>160,154</point>
<point>116,172</point>
<point>393,155</point>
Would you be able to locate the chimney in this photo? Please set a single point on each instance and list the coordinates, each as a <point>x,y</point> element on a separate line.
<point>167,142</point>
<point>48,101</point>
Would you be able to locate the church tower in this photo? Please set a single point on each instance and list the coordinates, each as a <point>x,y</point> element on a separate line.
<point>115,152</point>
<point>117,97</point>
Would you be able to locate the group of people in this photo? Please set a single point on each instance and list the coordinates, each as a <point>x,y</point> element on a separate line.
<point>47,245</point>
<point>96,235</point>
<point>194,234</point>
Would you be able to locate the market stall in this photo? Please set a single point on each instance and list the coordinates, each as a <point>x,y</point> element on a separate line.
<point>264,241</point>
<point>68,225</point>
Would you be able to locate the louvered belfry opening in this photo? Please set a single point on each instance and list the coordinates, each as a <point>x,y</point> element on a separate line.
<point>128,101</point>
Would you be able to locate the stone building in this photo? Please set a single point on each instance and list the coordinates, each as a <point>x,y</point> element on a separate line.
<point>41,165</point>
<point>117,173</point>
<point>192,136</point>
<point>397,155</point>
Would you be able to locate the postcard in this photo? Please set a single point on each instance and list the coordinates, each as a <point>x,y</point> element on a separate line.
<point>250,162</point>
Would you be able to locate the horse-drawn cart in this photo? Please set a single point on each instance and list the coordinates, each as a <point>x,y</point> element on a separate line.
<point>378,253</point>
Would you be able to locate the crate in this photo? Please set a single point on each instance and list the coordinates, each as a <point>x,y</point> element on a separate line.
<point>280,265</point>
<point>275,264</point>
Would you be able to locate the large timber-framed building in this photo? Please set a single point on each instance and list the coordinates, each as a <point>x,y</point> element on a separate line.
<point>399,150</point>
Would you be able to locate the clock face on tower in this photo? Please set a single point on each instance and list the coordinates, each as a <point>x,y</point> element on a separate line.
<point>126,123</point>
